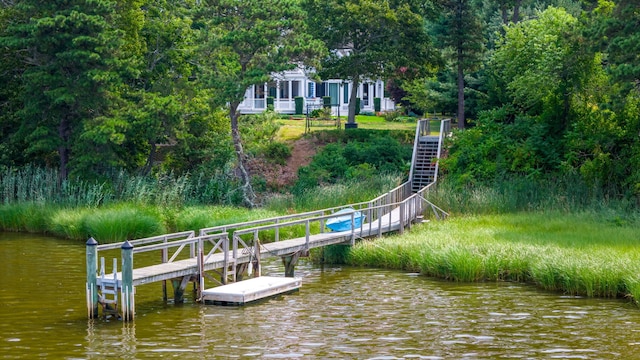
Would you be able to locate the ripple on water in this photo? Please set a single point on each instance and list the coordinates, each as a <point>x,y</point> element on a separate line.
<point>338,313</point>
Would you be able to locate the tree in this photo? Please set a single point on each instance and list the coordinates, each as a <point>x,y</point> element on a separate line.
<point>244,43</point>
<point>67,47</point>
<point>619,37</point>
<point>543,63</point>
<point>460,30</point>
<point>370,39</point>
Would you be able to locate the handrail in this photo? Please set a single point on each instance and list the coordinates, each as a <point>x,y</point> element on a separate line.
<point>164,238</point>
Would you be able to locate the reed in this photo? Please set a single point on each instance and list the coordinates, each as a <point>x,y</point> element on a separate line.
<point>572,253</point>
<point>26,217</point>
<point>349,192</point>
<point>199,217</point>
<point>567,194</point>
<point>43,186</point>
<point>123,222</point>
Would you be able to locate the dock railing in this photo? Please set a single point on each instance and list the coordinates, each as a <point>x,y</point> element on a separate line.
<point>394,210</point>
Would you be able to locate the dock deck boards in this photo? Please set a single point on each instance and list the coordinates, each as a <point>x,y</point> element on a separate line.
<point>188,267</point>
<point>250,290</point>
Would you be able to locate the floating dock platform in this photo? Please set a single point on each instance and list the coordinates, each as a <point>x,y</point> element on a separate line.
<point>245,291</point>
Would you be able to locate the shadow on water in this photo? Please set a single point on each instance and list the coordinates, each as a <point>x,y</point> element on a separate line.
<point>339,312</point>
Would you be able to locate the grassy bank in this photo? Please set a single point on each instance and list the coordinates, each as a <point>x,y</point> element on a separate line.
<point>590,254</point>
<point>119,221</point>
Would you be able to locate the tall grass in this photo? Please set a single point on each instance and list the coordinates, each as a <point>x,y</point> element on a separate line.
<point>43,186</point>
<point>322,197</point>
<point>567,194</point>
<point>578,254</point>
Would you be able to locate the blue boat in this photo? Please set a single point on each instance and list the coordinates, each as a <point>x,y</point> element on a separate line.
<point>343,222</point>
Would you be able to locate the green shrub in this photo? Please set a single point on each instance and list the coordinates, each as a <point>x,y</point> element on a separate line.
<point>299,100</point>
<point>277,152</point>
<point>326,101</point>
<point>392,115</point>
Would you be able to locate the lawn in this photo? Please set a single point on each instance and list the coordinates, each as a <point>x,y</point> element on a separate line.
<point>294,129</point>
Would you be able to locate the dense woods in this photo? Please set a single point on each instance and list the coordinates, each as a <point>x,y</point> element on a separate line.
<point>543,90</point>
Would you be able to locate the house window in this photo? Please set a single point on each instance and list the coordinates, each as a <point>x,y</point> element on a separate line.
<point>365,94</point>
<point>311,89</point>
<point>333,92</point>
<point>345,93</point>
<point>284,90</point>
<point>259,91</point>
<point>273,89</point>
<point>295,88</point>
<point>320,89</point>
<point>258,95</point>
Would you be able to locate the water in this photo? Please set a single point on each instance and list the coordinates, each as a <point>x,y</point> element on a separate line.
<point>339,313</point>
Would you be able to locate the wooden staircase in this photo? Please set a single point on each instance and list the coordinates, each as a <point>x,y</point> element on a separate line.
<point>426,152</point>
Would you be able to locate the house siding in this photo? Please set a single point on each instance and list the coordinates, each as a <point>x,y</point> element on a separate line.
<point>286,86</point>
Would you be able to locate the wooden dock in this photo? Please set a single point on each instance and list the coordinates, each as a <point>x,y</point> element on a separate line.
<point>246,291</point>
<point>215,255</point>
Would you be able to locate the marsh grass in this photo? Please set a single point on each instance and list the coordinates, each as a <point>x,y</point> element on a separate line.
<point>568,194</point>
<point>578,254</point>
<point>42,186</point>
<point>322,197</point>
<point>27,217</point>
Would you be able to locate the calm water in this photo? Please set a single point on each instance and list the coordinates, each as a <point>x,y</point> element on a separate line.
<point>339,313</point>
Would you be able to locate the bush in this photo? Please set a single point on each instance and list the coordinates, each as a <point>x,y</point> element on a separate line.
<point>392,115</point>
<point>365,155</point>
<point>277,152</point>
<point>299,104</point>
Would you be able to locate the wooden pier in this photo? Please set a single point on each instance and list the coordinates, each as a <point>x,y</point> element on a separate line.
<point>222,254</point>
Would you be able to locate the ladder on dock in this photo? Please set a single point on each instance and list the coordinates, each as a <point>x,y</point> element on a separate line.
<point>224,253</point>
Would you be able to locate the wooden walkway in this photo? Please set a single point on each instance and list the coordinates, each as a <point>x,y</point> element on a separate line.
<point>228,251</point>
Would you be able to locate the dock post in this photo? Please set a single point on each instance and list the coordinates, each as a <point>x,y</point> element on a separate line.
<point>290,261</point>
<point>257,272</point>
<point>127,290</point>
<point>92,278</point>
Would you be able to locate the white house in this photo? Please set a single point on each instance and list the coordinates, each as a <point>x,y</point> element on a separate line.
<point>287,86</point>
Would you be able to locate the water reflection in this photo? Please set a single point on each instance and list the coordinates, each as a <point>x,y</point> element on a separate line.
<point>338,313</point>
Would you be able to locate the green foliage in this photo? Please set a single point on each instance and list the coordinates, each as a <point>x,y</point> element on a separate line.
<point>362,156</point>
<point>349,191</point>
<point>574,254</point>
<point>26,216</point>
<point>259,131</point>
<point>379,37</point>
<point>299,100</point>
<point>71,49</point>
<point>277,152</point>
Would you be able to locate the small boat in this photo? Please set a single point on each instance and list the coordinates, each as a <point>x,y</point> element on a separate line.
<point>343,222</point>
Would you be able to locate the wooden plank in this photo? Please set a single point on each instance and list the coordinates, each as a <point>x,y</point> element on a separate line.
<point>250,290</point>
<point>188,267</point>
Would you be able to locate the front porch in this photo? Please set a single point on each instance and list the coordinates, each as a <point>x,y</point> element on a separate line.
<point>284,90</point>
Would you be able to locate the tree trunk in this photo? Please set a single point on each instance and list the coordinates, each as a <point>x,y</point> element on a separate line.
<point>516,11</point>
<point>351,118</point>
<point>63,148</point>
<point>505,15</point>
<point>460,90</point>
<point>152,154</point>
<point>248,196</point>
